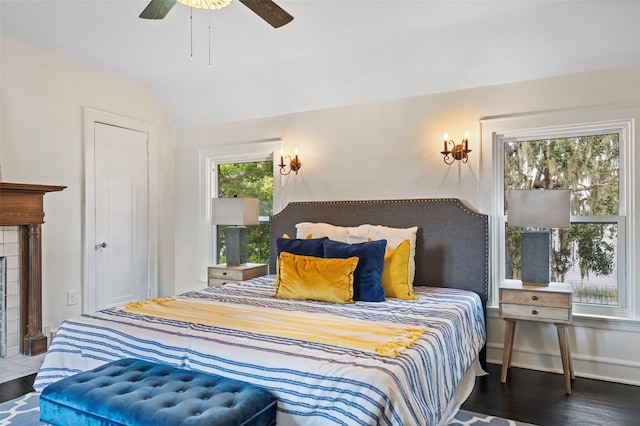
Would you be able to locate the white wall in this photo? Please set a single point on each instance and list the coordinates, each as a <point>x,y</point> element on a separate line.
<point>371,151</point>
<point>42,143</point>
<point>391,150</point>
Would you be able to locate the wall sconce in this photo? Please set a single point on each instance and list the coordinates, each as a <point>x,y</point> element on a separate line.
<point>294,163</point>
<point>457,152</point>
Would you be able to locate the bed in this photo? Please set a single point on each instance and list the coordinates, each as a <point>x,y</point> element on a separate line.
<point>315,382</point>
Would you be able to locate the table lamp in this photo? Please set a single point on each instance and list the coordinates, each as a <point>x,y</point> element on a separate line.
<point>236,213</point>
<point>538,208</point>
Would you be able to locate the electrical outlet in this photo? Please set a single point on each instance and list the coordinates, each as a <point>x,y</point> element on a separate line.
<point>72,298</point>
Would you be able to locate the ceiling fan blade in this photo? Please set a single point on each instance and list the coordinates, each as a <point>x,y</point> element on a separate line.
<point>269,11</point>
<point>157,9</point>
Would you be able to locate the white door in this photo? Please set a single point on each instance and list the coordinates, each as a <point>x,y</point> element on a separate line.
<point>121,215</point>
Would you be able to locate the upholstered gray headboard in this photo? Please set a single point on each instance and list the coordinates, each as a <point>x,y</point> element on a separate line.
<point>452,247</point>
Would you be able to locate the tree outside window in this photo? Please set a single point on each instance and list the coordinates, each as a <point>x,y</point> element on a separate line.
<point>586,255</point>
<point>255,180</point>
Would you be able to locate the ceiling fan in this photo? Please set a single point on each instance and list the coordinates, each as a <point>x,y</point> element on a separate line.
<point>266,9</point>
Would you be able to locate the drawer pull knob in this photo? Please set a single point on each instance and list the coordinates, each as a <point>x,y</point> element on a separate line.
<point>534,297</point>
<point>534,312</point>
<point>224,273</point>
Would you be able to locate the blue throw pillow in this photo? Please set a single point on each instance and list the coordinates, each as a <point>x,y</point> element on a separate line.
<point>367,283</point>
<point>308,247</point>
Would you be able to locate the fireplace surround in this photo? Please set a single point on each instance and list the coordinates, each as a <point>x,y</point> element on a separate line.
<point>3,304</point>
<point>22,205</point>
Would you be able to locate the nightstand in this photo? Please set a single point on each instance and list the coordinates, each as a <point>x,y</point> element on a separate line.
<point>550,304</point>
<point>223,274</point>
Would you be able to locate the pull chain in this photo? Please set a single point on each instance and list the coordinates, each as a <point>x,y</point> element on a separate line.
<point>191,34</point>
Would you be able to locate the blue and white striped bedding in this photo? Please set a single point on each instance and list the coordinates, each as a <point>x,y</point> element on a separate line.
<point>315,384</point>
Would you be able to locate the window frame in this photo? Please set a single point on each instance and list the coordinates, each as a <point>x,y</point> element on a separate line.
<point>209,158</point>
<point>215,183</point>
<point>497,132</point>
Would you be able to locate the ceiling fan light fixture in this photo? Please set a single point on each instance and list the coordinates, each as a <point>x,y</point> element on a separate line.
<point>206,4</point>
<point>270,12</point>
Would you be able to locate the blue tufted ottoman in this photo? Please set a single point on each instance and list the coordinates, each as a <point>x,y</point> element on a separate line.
<point>135,392</point>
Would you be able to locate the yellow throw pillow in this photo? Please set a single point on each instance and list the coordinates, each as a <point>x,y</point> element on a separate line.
<point>397,272</point>
<point>285,236</point>
<point>316,278</point>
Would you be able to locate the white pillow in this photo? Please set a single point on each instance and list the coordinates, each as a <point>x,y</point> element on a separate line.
<point>306,230</point>
<point>394,237</point>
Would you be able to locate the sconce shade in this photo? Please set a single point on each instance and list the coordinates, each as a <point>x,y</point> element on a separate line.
<point>539,208</point>
<point>234,211</point>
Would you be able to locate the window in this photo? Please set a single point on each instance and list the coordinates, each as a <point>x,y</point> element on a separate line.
<point>237,156</point>
<point>586,254</point>
<point>248,179</point>
<point>588,159</point>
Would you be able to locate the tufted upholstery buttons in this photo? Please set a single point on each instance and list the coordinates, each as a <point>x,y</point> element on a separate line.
<point>136,392</point>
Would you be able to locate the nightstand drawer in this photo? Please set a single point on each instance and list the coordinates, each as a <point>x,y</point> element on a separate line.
<point>217,282</point>
<point>535,298</point>
<point>226,274</point>
<point>535,313</point>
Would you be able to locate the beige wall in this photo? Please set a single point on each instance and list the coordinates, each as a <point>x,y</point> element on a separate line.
<point>391,150</point>
<point>42,143</point>
<point>387,149</point>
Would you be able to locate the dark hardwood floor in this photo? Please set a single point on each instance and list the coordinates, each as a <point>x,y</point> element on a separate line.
<point>15,388</point>
<point>528,396</point>
<point>539,398</point>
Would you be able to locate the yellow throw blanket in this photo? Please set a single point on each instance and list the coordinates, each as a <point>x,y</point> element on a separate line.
<point>382,338</point>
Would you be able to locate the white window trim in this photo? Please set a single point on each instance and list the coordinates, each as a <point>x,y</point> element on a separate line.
<point>209,158</point>
<point>496,130</point>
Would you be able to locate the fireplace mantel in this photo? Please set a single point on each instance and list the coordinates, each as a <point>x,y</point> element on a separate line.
<point>23,205</point>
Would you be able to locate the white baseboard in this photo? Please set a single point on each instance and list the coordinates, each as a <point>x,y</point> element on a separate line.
<point>590,367</point>
<point>601,348</point>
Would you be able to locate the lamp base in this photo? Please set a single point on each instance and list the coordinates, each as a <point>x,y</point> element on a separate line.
<point>235,238</point>
<point>535,249</point>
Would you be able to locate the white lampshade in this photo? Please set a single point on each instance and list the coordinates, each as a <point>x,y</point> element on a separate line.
<point>234,211</point>
<point>539,208</point>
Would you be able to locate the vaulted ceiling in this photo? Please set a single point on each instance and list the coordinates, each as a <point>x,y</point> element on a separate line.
<point>335,52</point>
